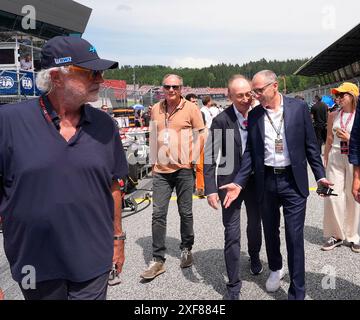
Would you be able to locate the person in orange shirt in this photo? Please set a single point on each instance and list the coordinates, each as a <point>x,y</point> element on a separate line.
<point>176,132</point>
<point>199,168</point>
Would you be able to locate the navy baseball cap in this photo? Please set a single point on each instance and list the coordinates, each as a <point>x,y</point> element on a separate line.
<point>64,51</point>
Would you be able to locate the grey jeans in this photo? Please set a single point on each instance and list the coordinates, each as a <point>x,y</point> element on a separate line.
<point>163,185</point>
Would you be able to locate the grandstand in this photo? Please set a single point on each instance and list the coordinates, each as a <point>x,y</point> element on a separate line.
<point>338,63</point>
<point>215,93</point>
<point>151,94</point>
<point>53,18</point>
<point>148,95</point>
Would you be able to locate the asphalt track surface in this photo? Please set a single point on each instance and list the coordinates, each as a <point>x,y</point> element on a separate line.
<point>330,275</point>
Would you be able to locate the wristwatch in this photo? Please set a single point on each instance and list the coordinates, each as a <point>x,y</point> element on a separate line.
<point>120,237</point>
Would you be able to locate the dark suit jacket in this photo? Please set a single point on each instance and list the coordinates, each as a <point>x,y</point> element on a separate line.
<point>354,147</point>
<point>224,136</point>
<point>301,142</point>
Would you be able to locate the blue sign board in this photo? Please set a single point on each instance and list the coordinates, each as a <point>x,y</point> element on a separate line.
<point>9,84</point>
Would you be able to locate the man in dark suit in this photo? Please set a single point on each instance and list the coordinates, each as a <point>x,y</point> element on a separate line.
<point>281,140</point>
<point>354,153</point>
<point>228,134</point>
<point>319,112</point>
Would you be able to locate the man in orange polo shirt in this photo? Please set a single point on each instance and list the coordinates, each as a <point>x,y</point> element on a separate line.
<point>175,143</point>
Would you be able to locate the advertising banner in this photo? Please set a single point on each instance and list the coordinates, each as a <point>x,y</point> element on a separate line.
<point>27,83</point>
<point>9,84</point>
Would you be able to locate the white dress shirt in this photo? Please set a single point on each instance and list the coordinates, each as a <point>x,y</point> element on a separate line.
<point>272,158</point>
<point>210,114</point>
<point>242,124</point>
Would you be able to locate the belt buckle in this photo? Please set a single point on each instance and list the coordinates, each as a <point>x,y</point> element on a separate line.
<point>279,170</point>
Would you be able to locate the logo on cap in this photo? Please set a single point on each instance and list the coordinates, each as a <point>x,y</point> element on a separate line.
<point>63,60</point>
<point>92,50</point>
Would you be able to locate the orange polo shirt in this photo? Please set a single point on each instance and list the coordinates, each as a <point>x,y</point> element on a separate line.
<point>173,136</point>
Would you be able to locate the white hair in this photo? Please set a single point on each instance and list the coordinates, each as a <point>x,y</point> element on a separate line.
<point>173,75</point>
<point>43,79</point>
<point>267,74</point>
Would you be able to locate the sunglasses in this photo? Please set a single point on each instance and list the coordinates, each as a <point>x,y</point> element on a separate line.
<point>261,90</point>
<point>91,74</point>
<point>340,95</point>
<point>168,87</point>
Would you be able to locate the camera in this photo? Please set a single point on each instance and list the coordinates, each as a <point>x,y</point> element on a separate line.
<point>325,191</point>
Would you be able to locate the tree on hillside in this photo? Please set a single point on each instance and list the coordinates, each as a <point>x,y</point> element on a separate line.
<point>216,76</point>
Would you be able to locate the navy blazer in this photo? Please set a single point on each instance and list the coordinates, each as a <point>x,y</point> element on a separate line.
<point>224,137</point>
<point>354,146</point>
<point>301,141</point>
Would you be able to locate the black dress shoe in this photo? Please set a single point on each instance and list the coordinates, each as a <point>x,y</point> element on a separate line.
<point>255,266</point>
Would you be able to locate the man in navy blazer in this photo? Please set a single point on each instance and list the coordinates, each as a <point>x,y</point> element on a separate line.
<point>281,142</point>
<point>228,134</point>
<point>354,153</point>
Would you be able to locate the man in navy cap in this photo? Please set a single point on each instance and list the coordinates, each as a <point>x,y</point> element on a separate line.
<point>60,161</point>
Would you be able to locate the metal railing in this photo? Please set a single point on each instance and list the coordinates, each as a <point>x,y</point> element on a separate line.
<point>117,98</point>
<point>309,94</point>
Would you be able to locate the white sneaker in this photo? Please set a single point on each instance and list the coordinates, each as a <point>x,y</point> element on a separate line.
<point>273,282</point>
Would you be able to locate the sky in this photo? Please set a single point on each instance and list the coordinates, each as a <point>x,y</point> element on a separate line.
<point>198,33</point>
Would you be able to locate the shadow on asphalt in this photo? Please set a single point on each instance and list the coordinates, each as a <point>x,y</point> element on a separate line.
<point>344,290</point>
<point>210,266</point>
<point>313,235</point>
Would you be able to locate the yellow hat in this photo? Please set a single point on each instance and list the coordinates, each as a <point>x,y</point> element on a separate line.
<point>347,87</point>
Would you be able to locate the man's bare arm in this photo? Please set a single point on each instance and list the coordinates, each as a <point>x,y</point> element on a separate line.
<point>119,245</point>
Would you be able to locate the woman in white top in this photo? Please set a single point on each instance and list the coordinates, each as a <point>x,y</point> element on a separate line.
<point>341,213</point>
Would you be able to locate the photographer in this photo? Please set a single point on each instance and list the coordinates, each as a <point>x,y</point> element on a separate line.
<point>341,214</point>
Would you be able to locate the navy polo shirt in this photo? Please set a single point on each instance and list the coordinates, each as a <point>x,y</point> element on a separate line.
<point>57,203</point>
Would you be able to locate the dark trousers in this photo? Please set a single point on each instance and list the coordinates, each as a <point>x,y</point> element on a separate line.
<point>163,185</point>
<point>320,136</point>
<point>281,190</point>
<point>231,221</point>
<point>59,289</point>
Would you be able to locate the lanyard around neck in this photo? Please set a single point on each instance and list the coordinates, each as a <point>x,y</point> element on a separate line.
<point>245,123</point>
<point>239,116</point>
<point>44,110</point>
<point>344,127</point>
<point>277,130</point>
<point>55,121</point>
<point>241,127</point>
<point>167,115</point>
